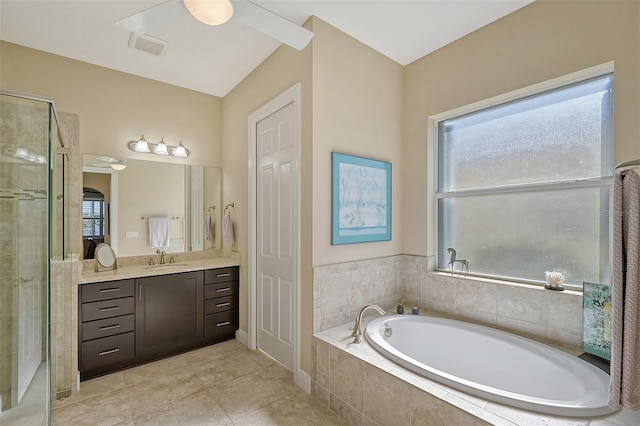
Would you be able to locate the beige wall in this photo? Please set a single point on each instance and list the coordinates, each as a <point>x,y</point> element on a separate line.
<point>544,40</point>
<point>115,107</point>
<point>283,69</point>
<point>355,107</point>
<point>357,110</point>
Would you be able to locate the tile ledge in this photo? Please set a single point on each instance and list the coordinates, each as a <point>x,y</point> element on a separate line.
<point>568,290</point>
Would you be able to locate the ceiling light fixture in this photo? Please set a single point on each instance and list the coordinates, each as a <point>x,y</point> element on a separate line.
<point>210,12</point>
<point>160,148</point>
<point>118,165</point>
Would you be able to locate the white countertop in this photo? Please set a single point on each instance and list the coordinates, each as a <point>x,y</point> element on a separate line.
<point>139,271</point>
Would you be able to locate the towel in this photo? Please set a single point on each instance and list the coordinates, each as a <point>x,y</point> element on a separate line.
<point>624,387</point>
<point>208,227</point>
<point>227,230</point>
<point>159,232</point>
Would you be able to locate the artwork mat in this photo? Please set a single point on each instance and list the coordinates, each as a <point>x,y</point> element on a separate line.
<point>379,198</point>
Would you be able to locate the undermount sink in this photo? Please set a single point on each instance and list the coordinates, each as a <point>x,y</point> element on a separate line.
<point>166,265</point>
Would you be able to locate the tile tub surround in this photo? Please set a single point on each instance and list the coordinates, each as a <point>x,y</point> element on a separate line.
<point>550,317</point>
<point>365,388</point>
<point>341,290</point>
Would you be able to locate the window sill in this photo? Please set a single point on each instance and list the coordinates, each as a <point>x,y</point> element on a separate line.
<point>569,289</point>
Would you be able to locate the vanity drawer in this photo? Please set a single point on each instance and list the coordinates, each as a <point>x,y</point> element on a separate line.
<point>107,327</point>
<point>221,275</point>
<point>220,304</point>
<point>107,309</point>
<point>221,326</point>
<point>106,351</point>
<point>106,290</point>
<point>220,289</point>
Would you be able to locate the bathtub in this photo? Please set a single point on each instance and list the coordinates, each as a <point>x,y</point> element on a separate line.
<point>492,364</point>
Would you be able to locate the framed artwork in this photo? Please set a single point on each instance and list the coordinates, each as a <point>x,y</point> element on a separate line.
<point>361,199</point>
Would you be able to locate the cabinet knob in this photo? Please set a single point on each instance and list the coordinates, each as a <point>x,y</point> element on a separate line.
<point>223,289</point>
<point>222,324</point>
<point>223,304</point>
<point>222,275</point>
<point>110,351</point>
<point>110,308</point>
<point>109,290</point>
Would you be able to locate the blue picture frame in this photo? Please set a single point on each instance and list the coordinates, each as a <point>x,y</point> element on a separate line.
<point>361,199</point>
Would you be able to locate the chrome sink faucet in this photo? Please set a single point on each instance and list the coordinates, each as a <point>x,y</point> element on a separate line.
<point>162,254</point>
<point>357,332</point>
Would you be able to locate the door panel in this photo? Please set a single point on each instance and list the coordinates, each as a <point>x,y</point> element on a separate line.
<point>275,235</point>
<point>169,312</point>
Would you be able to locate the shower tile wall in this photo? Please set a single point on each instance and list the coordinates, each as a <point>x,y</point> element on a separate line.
<point>65,272</point>
<point>341,290</point>
<point>23,229</point>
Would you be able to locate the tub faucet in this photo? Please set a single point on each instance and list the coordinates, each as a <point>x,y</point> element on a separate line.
<point>162,254</point>
<point>357,332</point>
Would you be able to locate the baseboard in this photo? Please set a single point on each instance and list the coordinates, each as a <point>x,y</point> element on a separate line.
<point>242,337</point>
<point>63,394</point>
<point>303,380</point>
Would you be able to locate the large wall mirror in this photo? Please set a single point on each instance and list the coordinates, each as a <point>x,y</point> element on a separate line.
<point>120,195</point>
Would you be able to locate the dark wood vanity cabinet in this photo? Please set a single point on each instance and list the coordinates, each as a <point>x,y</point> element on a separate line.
<point>106,326</point>
<point>168,314</point>
<point>221,303</point>
<point>130,322</point>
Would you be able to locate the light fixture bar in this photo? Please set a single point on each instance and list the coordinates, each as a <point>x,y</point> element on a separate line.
<point>160,148</point>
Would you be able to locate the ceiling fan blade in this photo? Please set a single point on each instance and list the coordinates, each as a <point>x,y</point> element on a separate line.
<point>145,21</point>
<point>273,25</point>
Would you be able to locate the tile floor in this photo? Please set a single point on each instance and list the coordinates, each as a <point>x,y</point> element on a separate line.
<point>223,384</point>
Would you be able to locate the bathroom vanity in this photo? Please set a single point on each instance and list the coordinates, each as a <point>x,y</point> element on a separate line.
<point>126,322</point>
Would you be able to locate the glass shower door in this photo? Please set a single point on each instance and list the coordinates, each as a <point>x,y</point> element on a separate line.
<point>25,141</point>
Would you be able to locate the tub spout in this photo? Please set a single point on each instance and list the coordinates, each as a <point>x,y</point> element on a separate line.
<point>357,332</point>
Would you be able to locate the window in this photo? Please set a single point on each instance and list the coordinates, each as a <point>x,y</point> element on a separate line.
<point>92,213</point>
<point>523,187</point>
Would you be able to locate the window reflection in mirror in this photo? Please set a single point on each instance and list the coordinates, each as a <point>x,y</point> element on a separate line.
<point>93,220</point>
<point>189,195</point>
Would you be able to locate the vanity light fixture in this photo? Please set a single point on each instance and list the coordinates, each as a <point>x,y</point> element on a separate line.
<point>140,146</point>
<point>180,151</point>
<point>210,12</point>
<point>160,148</point>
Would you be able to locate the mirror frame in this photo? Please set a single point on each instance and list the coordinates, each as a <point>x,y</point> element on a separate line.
<point>105,264</point>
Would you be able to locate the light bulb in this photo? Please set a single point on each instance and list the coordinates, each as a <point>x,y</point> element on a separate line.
<point>210,12</point>
<point>180,151</point>
<point>161,148</point>
<point>141,145</point>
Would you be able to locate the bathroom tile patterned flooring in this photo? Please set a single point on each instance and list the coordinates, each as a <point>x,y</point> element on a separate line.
<point>223,384</point>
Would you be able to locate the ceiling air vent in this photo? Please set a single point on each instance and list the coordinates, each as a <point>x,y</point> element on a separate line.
<point>148,44</point>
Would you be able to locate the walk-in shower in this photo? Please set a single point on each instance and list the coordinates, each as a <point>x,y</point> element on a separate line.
<point>34,232</point>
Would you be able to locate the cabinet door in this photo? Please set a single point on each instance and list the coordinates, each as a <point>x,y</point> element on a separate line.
<point>169,314</point>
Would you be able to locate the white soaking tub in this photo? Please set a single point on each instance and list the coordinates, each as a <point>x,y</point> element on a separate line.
<point>493,364</point>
